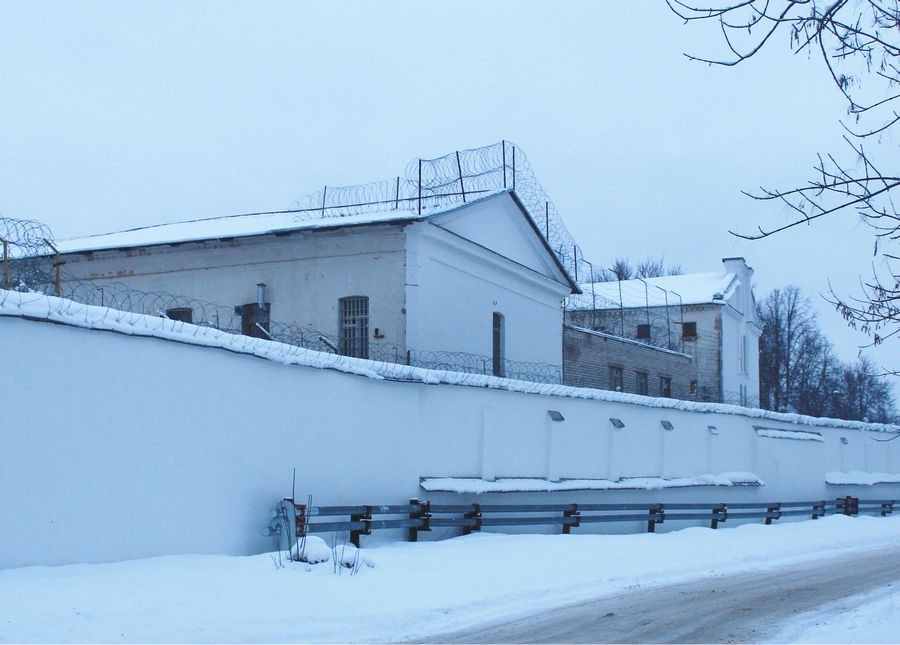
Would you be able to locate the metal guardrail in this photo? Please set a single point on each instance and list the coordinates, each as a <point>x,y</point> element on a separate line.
<point>423,515</point>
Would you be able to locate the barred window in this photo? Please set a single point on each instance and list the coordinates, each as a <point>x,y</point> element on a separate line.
<point>665,386</point>
<point>642,385</point>
<point>616,379</point>
<point>184,314</point>
<point>354,319</point>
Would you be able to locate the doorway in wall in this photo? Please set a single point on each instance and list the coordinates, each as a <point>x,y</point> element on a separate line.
<point>498,355</point>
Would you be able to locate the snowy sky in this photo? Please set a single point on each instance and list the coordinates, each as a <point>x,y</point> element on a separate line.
<point>116,115</point>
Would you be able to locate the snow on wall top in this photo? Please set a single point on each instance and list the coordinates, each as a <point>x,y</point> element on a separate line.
<point>40,307</point>
<point>694,289</point>
<point>244,226</point>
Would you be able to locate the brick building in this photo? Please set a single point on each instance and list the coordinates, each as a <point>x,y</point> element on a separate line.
<point>710,317</point>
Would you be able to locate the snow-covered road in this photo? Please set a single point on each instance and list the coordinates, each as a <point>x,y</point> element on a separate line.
<point>745,608</point>
<point>416,590</point>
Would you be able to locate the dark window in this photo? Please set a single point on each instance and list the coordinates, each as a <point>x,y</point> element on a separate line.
<point>354,318</point>
<point>184,314</point>
<point>642,383</point>
<point>497,354</point>
<point>254,320</point>
<point>689,330</point>
<point>616,380</point>
<point>643,332</point>
<point>693,388</point>
<point>665,386</point>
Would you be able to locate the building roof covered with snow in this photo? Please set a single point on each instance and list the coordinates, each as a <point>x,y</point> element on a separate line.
<point>689,289</point>
<point>227,227</point>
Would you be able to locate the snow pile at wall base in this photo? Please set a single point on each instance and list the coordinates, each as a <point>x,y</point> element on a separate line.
<point>859,478</point>
<point>527,485</point>
<point>40,307</point>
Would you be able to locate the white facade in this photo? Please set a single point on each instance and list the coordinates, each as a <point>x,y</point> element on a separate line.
<point>433,283</point>
<point>464,266</point>
<point>741,330</point>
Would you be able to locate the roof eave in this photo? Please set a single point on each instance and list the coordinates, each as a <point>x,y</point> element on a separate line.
<point>576,290</point>
<point>225,238</point>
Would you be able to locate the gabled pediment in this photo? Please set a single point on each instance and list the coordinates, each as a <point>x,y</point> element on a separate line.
<point>500,224</point>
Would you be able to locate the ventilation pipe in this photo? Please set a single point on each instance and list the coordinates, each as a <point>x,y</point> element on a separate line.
<point>261,295</point>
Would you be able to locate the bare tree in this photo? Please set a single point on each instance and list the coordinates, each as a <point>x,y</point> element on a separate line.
<point>859,44</point>
<point>800,373</point>
<point>622,269</point>
<point>789,329</point>
<point>656,268</point>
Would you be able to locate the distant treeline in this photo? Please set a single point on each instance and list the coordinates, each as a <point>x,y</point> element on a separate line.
<point>799,372</point>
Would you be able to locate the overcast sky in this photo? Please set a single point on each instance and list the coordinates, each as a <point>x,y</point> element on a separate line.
<point>114,115</point>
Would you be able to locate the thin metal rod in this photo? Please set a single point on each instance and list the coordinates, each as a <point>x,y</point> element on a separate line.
<point>503,145</point>
<point>420,186</point>
<point>681,316</point>
<point>397,198</point>
<point>462,186</point>
<point>324,195</point>
<point>5,264</point>
<point>668,321</point>
<point>514,167</point>
<point>57,262</point>
<point>646,300</point>
<point>547,221</point>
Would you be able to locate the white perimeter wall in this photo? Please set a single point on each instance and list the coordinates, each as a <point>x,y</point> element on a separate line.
<point>118,447</point>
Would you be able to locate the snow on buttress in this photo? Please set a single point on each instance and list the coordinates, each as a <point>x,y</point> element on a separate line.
<point>524,484</point>
<point>38,306</point>
<point>859,478</point>
<point>772,433</point>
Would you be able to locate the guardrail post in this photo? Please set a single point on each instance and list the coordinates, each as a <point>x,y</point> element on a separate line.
<point>720,514</point>
<point>775,508</point>
<point>474,514</point>
<point>657,516</point>
<point>362,517</point>
<point>572,512</point>
<point>299,518</point>
<point>818,510</point>
<point>423,514</point>
<point>851,505</point>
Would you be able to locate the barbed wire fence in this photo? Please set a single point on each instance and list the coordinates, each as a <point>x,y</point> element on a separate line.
<point>439,184</point>
<point>30,264</point>
<point>427,186</point>
<point>27,247</point>
<point>118,296</point>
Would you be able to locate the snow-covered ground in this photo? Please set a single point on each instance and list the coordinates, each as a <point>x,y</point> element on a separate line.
<point>411,590</point>
<point>868,618</point>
